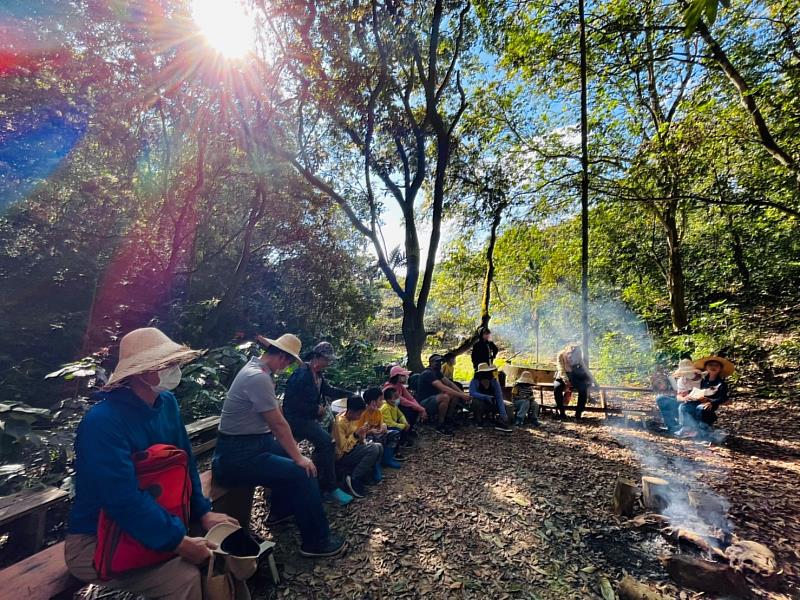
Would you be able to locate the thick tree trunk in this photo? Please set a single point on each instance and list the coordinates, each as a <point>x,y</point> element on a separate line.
<point>414,335</point>
<point>584,185</point>
<point>737,248</point>
<point>489,277</point>
<point>676,283</point>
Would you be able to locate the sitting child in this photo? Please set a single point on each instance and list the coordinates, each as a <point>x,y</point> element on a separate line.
<point>522,397</point>
<point>354,456</point>
<point>393,417</point>
<point>673,390</point>
<point>699,411</point>
<point>378,430</point>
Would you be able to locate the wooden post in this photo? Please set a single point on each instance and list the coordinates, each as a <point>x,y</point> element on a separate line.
<point>625,494</point>
<point>655,493</point>
<point>604,401</point>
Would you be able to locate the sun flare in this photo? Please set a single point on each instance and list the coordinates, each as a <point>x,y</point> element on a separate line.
<point>226,26</point>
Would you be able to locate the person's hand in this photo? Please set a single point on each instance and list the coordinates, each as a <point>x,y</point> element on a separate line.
<point>195,550</point>
<point>307,465</point>
<point>210,519</point>
<point>321,410</point>
<point>707,406</point>
<point>423,416</point>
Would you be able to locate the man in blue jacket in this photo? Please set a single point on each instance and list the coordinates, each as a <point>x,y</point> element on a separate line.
<point>137,410</point>
<point>304,404</point>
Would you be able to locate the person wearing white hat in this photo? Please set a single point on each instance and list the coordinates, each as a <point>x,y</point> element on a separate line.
<point>136,412</point>
<point>485,392</point>
<point>699,412</point>
<point>682,381</point>
<point>256,447</point>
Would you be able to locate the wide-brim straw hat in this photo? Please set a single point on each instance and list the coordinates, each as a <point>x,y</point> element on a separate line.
<point>148,349</point>
<point>526,377</point>
<point>485,368</point>
<point>727,366</point>
<point>686,369</point>
<point>289,343</point>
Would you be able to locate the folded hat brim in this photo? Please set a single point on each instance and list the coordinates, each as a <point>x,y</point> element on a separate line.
<point>153,362</point>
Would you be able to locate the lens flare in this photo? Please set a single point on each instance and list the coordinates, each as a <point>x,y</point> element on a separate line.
<point>226,26</point>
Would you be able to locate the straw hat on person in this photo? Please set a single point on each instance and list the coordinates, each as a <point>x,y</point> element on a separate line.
<point>686,368</point>
<point>289,343</point>
<point>148,349</point>
<point>485,368</point>
<point>526,377</point>
<point>727,366</point>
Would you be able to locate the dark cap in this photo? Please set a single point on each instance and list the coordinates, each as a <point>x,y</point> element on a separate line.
<point>325,350</point>
<point>355,403</point>
<point>435,358</point>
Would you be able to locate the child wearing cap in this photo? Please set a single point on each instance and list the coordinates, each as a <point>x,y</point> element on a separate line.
<point>522,397</point>
<point>354,456</point>
<point>379,431</point>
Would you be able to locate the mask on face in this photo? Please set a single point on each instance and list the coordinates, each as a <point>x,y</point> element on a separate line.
<point>396,401</point>
<point>168,379</point>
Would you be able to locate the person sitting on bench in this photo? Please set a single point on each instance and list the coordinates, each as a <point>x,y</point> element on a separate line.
<point>304,405</point>
<point>522,397</point>
<point>355,457</point>
<point>440,397</point>
<point>699,412</point>
<point>138,417</point>
<point>487,397</point>
<point>255,446</point>
<point>572,374</point>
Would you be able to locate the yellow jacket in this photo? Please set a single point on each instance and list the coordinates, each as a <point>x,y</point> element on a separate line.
<point>393,417</point>
<point>344,434</point>
<point>373,418</point>
<point>448,371</point>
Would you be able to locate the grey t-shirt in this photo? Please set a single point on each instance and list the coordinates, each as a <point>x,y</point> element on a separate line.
<point>252,393</point>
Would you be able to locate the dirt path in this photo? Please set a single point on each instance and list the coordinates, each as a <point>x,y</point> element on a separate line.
<point>490,516</point>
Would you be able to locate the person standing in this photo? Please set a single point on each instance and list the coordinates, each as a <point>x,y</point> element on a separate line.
<point>572,374</point>
<point>484,350</point>
<point>304,404</point>
<point>136,413</point>
<point>255,446</point>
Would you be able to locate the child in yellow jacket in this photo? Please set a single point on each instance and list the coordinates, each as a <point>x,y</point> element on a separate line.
<point>378,430</point>
<point>354,456</point>
<point>393,417</point>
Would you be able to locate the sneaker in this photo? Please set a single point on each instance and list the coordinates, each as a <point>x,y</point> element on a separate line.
<point>441,429</point>
<point>408,444</point>
<point>338,496</point>
<point>536,423</point>
<point>518,423</point>
<point>355,488</point>
<point>503,428</point>
<point>272,521</point>
<point>333,547</point>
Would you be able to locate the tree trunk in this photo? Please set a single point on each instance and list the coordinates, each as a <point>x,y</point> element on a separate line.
<point>584,186</point>
<point>676,284</point>
<point>414,335</point>
<point>738,253</point>
<point>489,277</point>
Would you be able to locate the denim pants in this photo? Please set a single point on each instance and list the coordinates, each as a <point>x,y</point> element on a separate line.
<point>693,415</point>
<point>670,412</point>
<point>390,439</point>
<point>324,457</point>
<point>360,461</point>
<point>522,407</point>
<point>411,416</point>
<point>260,460</point>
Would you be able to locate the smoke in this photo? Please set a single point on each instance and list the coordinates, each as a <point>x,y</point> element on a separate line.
<point>620,347</point>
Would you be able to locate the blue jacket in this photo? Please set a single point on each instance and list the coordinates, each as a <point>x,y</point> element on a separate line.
<point>108,435</point>
<point>477,392</point>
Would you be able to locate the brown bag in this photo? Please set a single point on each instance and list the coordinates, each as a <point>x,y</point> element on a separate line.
<point>218,587</point>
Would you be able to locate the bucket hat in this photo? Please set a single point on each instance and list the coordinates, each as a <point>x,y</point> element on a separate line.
<point>686,369</point>
<point>148,349</point>
<point>526,377</point>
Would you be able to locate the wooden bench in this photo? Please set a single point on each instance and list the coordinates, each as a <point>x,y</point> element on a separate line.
<point>604,406</point>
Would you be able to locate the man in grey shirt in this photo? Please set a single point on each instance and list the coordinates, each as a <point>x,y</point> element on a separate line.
<point>255,446</point>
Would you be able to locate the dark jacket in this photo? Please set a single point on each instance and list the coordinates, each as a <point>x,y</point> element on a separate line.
<point>302,399</point>
<point>720,396</point>
<point>483,352</point>
<point>105,477</point>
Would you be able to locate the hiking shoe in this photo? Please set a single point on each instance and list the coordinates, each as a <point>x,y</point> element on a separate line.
<point>272,521</point>
<point>503,428</point>
<point>442,430</point>
<point>355,487</point>
<point>535,423</point>
<point>338,496</point>
<point>333,547</point>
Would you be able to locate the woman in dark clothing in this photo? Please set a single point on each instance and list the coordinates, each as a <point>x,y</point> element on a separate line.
<point>304,404</point>
<point>484,350</point>
<point>572,375</point>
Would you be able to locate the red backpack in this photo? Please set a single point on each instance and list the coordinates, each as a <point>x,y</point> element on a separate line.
<point>163,471</point>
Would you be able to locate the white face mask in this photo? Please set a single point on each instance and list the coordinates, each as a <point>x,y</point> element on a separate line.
<point>396,401</point>
<point>168,379</point>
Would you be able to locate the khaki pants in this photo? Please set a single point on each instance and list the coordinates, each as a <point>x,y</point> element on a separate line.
<point>173,580</point>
